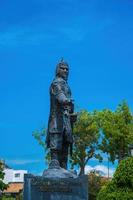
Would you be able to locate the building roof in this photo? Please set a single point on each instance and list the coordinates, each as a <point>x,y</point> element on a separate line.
<point>14,188</point>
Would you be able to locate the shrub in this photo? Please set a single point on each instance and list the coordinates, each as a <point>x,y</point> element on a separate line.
<point>121,186</point>
<point>95,184</point>
<point>124,174</point>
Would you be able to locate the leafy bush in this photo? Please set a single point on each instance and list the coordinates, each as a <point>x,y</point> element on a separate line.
<point>95,184</point>
<point>124,174</point>
<point>3,186</point>
<point>121,186</point>
<point>8,198</point>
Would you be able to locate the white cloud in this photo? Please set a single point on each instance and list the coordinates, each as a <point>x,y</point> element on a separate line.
<point>102,168</point>
<point>105,169</point>
<point>88,169</point>
<point>22,161</point>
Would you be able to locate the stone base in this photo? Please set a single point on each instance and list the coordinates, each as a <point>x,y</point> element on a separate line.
<point>43,188</point>
<point>55,171</point>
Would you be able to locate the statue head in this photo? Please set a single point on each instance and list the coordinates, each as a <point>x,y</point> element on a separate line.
<point>62,69</point>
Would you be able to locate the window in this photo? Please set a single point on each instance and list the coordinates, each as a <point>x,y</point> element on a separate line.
<point>17,175</point>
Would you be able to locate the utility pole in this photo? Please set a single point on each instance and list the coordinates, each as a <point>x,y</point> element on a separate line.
<point>108,167</point>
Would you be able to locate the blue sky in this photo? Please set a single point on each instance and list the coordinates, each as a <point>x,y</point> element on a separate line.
<point>94,36</point>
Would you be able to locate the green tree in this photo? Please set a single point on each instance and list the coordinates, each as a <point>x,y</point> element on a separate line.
<point>40,136</point>
<point>121,186</point>
<point>95,183</point>
<point>8,198</point>
<point>117,131</point>
<point>3,186</point>
<point>86,134</point>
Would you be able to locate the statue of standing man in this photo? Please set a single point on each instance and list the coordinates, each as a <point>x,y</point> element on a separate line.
<point>59,136</point>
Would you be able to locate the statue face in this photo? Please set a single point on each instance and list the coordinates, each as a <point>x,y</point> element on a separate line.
<point>63,72</point>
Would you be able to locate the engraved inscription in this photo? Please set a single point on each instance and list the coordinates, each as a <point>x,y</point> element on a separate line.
<point>55,189</point>
<point>54,186</point>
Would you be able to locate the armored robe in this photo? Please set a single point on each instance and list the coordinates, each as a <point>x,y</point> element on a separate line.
<point>59,125</point>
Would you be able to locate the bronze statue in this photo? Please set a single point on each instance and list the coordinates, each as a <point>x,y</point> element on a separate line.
<point>59,136</point>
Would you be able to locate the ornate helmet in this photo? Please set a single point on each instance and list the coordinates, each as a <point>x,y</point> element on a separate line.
<point>61,63</point>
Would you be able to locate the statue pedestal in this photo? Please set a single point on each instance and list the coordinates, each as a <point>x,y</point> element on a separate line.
<point>55,184</point>
<point>42,188</point>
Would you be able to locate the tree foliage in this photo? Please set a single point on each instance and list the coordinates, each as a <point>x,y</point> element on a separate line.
<point>117,131</point>
<point>112,129</point>
<point>121,186</point>
<point>3,186</point>
<point>95,183</point>
<point>86,134</point>
<point>40,136</point>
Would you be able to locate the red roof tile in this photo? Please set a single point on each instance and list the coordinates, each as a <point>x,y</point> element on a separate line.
<point>14,188</point>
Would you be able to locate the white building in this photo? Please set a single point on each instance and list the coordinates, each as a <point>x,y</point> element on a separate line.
<point>12,176</point>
